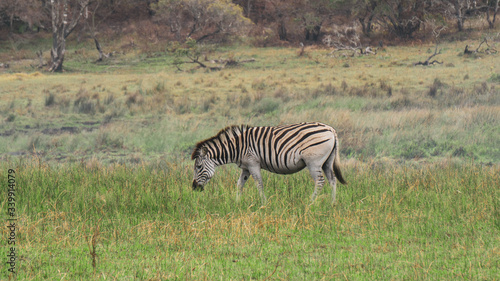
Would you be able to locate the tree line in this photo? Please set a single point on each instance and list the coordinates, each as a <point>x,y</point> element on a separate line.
<point>269,21</point>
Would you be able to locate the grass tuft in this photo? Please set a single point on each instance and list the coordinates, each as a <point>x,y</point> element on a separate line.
<point>50,100</point>
<point>84,104</point>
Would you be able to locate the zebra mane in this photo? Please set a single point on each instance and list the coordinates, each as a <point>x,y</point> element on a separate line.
<point>222,135</point>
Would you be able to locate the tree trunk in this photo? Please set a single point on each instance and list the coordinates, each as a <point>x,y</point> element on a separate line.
<point>460,24</point>
<point>369,25</point>
<point>57,52</point>
<point>366,24</point>
<point>282,33</point>
<point>363,25</point>
<point>249,8</point>
<point>61,28</point>
<point>58,40</point>
<point>494,8</point>
<point>459,15</point>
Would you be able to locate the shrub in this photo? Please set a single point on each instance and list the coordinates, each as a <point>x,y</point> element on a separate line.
<point>436,85</point>
<point>50,100</point>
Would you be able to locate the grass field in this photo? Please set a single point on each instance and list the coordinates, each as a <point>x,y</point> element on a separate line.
<point>391,222</point>
<point>101,154</point>
<point>137,108</point>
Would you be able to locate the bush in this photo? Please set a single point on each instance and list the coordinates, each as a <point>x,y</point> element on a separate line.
<point>436,85</point>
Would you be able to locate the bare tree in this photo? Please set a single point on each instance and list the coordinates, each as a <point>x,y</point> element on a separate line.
<point>65,16</point>
<point>436,32</point>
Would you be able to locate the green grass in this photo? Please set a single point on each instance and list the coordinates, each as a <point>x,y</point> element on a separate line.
<point>429,222</point>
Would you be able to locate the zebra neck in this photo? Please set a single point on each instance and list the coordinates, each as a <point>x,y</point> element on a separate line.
<point>226,156</point>
<point>220,162</point>
<point>225,152</point>
<point>227,146</point>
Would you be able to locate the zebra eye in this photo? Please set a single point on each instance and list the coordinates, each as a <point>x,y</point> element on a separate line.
<point>198,167</point>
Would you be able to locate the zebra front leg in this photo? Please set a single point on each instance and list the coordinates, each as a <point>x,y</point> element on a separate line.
<point>241,182</point>
<point>255,172</point>
<point>319,182</point>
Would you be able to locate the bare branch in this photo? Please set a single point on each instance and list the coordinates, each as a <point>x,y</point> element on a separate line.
<point>74,22</point>
<point>428,61</point>
<point>489,50</point>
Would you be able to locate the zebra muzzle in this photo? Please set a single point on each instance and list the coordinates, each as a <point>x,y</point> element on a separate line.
<point>197,187</point>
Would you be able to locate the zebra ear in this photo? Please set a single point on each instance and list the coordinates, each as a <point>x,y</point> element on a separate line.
<point>203,151</point>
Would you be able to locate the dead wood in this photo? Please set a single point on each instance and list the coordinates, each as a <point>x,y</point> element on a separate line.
<point>40,57</point>
<point>428,61</point>
<point>370,51</point>
<point>301,52</point>
<point>355,50</point>
<point>221,63</point>
<point>489,50</point>
<point>102,54</point>
<point>41,64</point>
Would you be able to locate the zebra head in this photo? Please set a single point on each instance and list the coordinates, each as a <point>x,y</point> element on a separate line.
<point>204,168</point>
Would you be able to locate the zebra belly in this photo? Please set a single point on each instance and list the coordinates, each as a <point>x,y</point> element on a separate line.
<point>288,169</point>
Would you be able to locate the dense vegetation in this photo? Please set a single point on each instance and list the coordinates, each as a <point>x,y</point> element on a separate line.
<point>353,25</point>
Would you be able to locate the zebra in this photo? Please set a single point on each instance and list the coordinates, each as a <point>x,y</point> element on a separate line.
<point>284,149</point>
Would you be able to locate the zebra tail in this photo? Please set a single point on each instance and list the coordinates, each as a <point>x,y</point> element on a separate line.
<point>336,162</point>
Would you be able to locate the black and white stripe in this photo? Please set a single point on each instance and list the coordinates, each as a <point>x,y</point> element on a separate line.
<point>283,149</point>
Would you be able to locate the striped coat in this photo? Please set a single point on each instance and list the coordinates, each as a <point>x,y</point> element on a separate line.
<point>283,149</point>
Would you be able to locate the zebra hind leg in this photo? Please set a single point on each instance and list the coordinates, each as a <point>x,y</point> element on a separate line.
<point>319,182</point>
<point>330,176</point>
